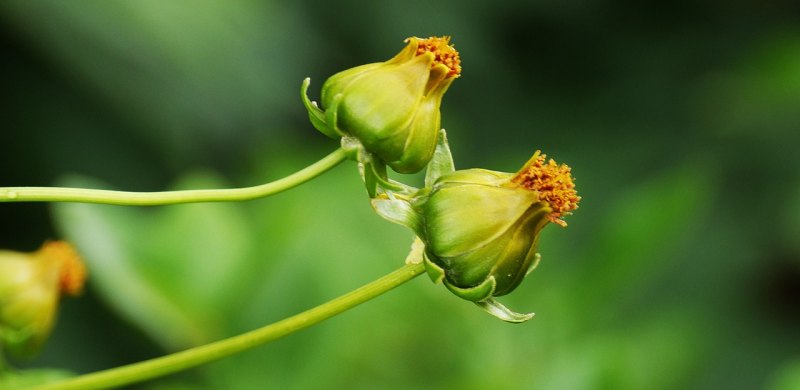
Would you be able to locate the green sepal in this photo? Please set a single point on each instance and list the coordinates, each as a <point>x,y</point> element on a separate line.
<point>373,173</point>
<point>378,169</point>
<point>315,114</point>
<point>498,310</point>
<point>481,292</point>
<point>442,161</point>
<point>397,210</point>
<point>435,272</point>
<point>332,115</point>
<point>536,259</point>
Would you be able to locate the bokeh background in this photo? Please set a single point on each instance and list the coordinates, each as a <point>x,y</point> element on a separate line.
<point>681,121</point>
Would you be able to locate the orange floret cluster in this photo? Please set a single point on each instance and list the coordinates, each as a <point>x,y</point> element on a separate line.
<point>73,271</point>
<point>552,182</point>
<point>444,53</point>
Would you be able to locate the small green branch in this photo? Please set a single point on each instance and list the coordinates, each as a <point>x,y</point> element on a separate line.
<point>127,198</point>
<point>165,365</point>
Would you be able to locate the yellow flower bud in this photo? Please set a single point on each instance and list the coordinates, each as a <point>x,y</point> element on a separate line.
<point>481,227</point>
<point>30,287</point>
<point>392,107</point>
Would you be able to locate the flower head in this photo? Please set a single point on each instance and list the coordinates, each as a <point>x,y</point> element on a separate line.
<point>392,107</point>
<point>481,227</point>
<point>30,287</point>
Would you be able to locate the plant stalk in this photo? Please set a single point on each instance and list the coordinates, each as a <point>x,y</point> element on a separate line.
<point>128,198</point>
<point>189,358</point>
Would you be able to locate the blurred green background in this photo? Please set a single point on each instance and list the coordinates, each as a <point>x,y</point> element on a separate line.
<point>681,121</point>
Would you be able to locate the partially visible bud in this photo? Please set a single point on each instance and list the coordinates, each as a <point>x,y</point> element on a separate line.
<point>481,227</point>
<point>30,287</point>
<point>392,107</point>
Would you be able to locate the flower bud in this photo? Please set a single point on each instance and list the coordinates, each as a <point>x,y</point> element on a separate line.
<point>392,108</point>
<point>30,287</point>
<point>481,227</point>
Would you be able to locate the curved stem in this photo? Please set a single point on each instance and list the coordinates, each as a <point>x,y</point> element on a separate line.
<point>168,364</point>
<point>127,198</point>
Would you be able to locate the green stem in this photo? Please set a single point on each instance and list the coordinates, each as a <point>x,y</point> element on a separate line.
<point>127,198</point>
<point>153,368</point>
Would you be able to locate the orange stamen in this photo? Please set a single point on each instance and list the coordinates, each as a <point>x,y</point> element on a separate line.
<point>444,53</point>
<point>73,271</point>
<point>552,182</point>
